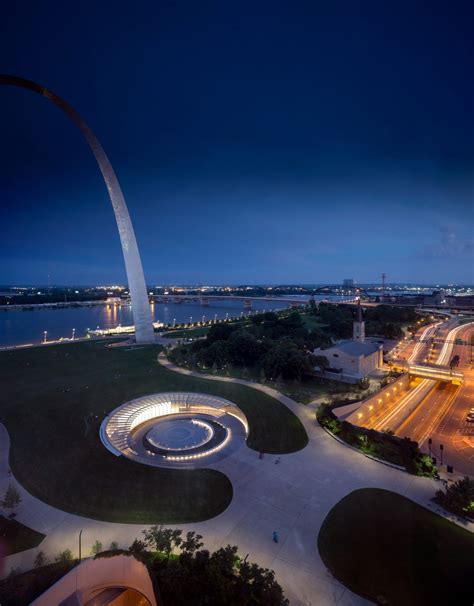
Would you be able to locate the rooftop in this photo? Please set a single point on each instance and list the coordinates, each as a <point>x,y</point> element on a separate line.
<point>354,348</point>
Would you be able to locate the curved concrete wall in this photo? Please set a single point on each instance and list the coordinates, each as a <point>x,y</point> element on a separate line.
<point>136,281</point>
<point>94,575</point>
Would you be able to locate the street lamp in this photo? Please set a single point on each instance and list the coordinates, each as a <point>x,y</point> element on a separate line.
<point>45,336</point>
<point>73,334</point>
<point>215,318</point>
<point>174,322</point>
<point>80,546</point>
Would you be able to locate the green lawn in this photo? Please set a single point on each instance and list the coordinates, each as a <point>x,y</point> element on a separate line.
<point>15,537</point>
<point>393,551</point>
<point>49,399</point>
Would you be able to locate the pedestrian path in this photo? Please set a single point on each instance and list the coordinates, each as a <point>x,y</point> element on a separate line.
<point>291,498</point>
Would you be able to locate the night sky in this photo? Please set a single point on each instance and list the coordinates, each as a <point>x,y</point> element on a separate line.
<point>279,142</point>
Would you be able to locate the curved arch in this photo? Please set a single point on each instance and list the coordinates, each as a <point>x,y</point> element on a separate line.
<point>136,280</point>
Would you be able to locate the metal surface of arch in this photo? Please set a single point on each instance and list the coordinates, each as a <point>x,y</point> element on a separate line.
<point>136,280</point>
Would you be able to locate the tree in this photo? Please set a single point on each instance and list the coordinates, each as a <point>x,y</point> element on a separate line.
<point>11,499</point>
<point>321,362</point>
<point>459,497</point>
<point>163,539</point>
<point>41,559</point>
<point>114,545</point>
<point>138,547</point>
<point>96,548</point>
<point>256,585</point>
<point>64,557</point>
<point>191,543</point>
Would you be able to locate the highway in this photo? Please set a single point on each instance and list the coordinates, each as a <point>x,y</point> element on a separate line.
<point>442,412</point>
<point>452,429</point>
<point>431,409</point>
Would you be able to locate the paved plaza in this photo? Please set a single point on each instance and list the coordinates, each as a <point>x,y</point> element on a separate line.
<point>292,498</point>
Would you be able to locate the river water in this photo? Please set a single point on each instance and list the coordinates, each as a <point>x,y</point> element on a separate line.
<point>23,327</point>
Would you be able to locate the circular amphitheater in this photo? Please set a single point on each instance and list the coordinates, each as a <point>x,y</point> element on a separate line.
<point>175,429</point>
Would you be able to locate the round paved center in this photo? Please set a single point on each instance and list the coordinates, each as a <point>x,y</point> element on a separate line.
<point>180,434</point>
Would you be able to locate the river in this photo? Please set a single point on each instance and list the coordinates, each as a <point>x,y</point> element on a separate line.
<point>29,326</point>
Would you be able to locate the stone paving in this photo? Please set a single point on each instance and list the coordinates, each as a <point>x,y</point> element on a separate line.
<point>292,497</point>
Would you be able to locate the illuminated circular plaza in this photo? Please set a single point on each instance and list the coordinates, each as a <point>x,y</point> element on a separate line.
<point>175,429</point>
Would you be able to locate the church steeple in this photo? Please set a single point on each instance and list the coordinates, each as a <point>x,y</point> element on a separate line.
<point>358,333</point>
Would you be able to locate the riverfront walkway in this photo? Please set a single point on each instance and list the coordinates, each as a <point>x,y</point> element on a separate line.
<point>292,498</point>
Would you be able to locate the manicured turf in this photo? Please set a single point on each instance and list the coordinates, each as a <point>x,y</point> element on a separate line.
<point>49,400</point>
<point>15,537</point>
<point>393,551</point>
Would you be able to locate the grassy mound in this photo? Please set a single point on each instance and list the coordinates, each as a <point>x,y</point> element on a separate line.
<point>393,551</point>
<point>15,537</point>
<point>53,400</point>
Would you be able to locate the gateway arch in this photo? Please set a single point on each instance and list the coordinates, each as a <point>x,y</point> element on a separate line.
<point>136,280</point>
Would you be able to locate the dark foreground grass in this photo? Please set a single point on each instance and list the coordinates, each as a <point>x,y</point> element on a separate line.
<point>21,589</point>
<point>15,537</point>
<point>50,399</point>
<point>393,551</point>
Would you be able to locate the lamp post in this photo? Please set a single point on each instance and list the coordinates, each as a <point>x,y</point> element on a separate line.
<point>45,336</point>
<point>80,546</point>
<point>73,334</point>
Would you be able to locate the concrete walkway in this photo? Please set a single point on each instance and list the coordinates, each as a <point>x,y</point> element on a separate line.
<point>292,498</point>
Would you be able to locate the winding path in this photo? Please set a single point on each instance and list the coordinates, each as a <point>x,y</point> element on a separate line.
<point>292,498</point>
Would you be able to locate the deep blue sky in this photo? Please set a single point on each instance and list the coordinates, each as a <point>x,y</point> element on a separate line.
<point>255,142</point>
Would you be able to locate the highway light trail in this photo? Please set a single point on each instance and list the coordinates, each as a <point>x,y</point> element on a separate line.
<point>393,420</point>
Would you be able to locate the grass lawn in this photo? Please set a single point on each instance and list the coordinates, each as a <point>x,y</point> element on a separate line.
<point>393,551</point>
<point>49,399</point>
<point>15,537</point>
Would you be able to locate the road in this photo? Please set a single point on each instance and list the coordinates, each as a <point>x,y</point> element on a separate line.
<point>441,415</point>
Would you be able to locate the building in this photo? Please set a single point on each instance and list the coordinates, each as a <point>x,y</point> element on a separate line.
<point>353,360</point>
<point>348,283</point>
<point>436,298</point>
<point>114,580</point>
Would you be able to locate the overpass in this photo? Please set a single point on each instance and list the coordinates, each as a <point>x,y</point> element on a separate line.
<point>430,371</point>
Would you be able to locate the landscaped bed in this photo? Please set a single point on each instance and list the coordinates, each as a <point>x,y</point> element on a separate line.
<point>52,402</point>
<point>15,537</point>
<point>393,551</point>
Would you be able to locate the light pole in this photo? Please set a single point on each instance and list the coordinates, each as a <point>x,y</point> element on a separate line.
<point>215,318</point>
<point>80,546</point>
<point>73,334</point>
<point>203,319</point>
<point>174,322</point>
<point>45,336</point>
